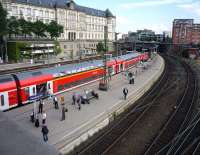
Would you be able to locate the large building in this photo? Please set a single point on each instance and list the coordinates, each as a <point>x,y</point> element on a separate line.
<point>83,26</point>
<point>185,31</point>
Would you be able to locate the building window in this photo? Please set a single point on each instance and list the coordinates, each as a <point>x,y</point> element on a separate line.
<point>2,100</point>
<point>65,46</point>
<point>14,10</point>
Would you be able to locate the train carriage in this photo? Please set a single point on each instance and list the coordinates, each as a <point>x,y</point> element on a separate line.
<point>8,92</point>
<point>17,89</point>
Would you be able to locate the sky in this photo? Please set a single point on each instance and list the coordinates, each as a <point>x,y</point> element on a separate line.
<point>156,15</point>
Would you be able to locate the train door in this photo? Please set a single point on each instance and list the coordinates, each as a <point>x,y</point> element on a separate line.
<point>119,66</point>
<point>111,70</point>
<point>50,87</point>
<point>41,89</point>
<point>4,103</point>
<point>32,90</point>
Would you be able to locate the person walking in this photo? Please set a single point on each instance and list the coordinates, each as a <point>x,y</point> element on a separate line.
<point>125,92</point>
<point>41,106</point>
<point>55,101</point>
<point>45,132</point>
<point>44,116</point>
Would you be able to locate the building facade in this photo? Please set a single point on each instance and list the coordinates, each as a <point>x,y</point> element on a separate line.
<point>185,31</point>
<point>83,26</point>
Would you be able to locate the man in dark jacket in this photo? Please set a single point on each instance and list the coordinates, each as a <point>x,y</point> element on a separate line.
<point>125,92</point>
<point>45,132</point>
<point>41,106</point>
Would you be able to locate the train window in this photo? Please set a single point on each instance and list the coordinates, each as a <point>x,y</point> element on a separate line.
<point>121,67</point>
<point>33,90</point>
<point>2,100</point>
<point>36,73</point>
<point>60,87</point>
<point>27,91</point>
<point>3,80</point>
<point>49,86</point>
<point>66,86</point>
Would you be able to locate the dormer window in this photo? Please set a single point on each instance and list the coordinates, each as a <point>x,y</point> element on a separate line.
<point>71,4</point>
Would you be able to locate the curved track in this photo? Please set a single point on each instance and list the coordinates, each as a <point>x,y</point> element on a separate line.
<point>179,120</point>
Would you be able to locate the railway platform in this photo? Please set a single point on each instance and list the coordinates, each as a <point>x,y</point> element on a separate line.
<point>81,124</point>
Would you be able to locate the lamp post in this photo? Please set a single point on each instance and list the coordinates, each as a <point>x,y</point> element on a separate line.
<point>103,85</point>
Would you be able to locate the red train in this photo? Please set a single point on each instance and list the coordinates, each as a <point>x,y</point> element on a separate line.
<point>17,89</point>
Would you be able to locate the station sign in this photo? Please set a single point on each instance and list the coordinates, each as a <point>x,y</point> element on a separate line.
<point>35,97</point>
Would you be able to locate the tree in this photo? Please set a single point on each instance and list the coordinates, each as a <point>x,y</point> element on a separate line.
<point>57,48</point>
<point>54,29</point>
<point>25,27</point>
<point>13,26</point>
<point>100,47</point>
<point>3,21</point>
<point>39,29</point>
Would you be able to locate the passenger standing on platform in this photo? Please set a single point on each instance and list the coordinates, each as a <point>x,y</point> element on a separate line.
<point>63,109</point>
<point>45,132</point>
<point>37,122</point>
<point>44,116</point>
<point>79,103</point>
<point>41,106</point>
<point>125,92</point>
<point>73,99</point>
<point>32,117</point>
<point>63,113</point>
<point>55,101</point>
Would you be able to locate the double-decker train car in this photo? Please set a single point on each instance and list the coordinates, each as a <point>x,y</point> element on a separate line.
<point>16,89</point>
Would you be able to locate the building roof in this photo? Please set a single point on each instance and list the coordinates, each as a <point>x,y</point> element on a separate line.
<point>183,21</point>
<point>65,4</point>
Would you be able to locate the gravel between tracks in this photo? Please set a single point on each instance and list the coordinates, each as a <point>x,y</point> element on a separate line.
<point>136,141</point>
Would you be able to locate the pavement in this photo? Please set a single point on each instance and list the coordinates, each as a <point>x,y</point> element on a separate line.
<point>75,119</point>
<point>16,66</point>
<point>18,141</point>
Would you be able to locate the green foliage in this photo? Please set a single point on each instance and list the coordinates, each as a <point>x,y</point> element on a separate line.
<point>57,48</point>
<point>14,49</point>
<point>39,29</point>
<point>54,29</point>
<point>25,27</point>
<point>3,21</point>
<point>100,48</point>
<point>13,26</point>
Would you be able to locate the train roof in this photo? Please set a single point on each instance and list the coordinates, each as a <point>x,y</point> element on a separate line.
<point>128,56</point>
<point>62,70</point>
<point>6,78</point>
<point>72,68</point>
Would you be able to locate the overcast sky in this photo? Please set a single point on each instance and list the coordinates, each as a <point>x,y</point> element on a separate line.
<point>157,15</point>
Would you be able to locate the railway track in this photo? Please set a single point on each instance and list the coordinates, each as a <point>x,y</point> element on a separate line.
<point>111,136</point>
<point>22,69</point>
<point>178,121</point>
